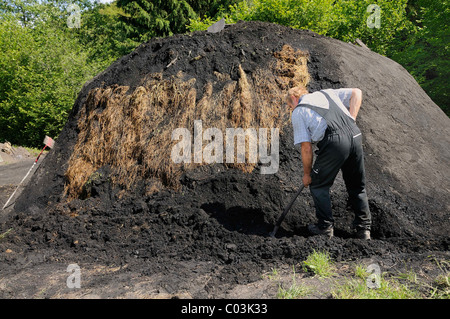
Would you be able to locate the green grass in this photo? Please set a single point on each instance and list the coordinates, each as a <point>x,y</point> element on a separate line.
<point>34,152</point>
<point>274,274</point>
<point>3,235</point>
<point>319,263</point>
<point>295,291</point>
<point>443,280</point>
<point>361,271</point>
<point>441,288</point>
<point>358,288</point>
<point>364,282</point>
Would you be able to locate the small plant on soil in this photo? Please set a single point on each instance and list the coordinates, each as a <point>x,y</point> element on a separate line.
<point>274,274</point>
<point>442,289</point>
<point>319,263</point>
<point>294,291</point>
<point>3,235</point>
<point>358,287</point>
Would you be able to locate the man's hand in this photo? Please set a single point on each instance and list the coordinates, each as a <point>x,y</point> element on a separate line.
<point>306,180</point>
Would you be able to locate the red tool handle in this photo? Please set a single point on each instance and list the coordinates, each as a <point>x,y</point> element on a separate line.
<point>40,154</point>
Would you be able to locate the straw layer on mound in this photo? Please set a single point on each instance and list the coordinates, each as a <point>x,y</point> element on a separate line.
<point>132,132</point>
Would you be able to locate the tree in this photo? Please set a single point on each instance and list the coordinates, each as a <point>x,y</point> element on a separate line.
<point>211,8</point>
<point>158,18</point>
<point>42,68</point>
<point>341,19</point>
<point>103,32</point>
<point>426,55</point>
<point>414,33</point>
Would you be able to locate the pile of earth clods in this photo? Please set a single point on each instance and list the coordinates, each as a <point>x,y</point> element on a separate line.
<point>110,191</point>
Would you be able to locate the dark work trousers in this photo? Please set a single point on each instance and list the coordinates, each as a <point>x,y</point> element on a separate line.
<point>340,149</point>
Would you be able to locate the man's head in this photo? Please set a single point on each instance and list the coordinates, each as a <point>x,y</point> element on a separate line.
<point>293,96</point>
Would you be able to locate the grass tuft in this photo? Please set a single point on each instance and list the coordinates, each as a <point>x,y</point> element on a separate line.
<point>319,263</point>
<point>3,235</point>
<point>294,291</point>
<point>356,288</point>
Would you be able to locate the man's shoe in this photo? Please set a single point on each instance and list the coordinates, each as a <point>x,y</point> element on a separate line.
<point>363,234</point>
<point>315,230</point>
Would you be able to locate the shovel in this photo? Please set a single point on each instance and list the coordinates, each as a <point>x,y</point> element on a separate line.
<point>49,142</point>
<point>288,207</point>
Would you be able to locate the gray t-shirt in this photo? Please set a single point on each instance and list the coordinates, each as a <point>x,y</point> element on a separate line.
<point>308,125</point>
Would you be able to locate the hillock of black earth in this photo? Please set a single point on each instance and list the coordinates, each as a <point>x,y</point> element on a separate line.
<point>108,193</point>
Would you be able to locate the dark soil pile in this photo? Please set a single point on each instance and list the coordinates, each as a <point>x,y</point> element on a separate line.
<point>109,191</point>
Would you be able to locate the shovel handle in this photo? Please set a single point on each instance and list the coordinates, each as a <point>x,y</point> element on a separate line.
<point>286,210</point>
<point>37,159</point>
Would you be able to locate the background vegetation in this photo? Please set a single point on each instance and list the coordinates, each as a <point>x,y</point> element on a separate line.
<point>44,61</point>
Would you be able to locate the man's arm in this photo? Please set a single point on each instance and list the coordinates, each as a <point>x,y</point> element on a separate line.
<point>355,102</point>
<point>307,159</point>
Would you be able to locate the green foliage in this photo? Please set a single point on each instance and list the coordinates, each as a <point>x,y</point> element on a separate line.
<point>104,35</point>
<point>426,55</point>
<point>42,68</point>
<point>211,8</point>
<point>319,263</point>
<point>355,15</point>
<point>295,291</point>
<point>145,19</point>
<point>342,19</point>
<point>357,288</point>
<point>44,63</point>
<point>414,33</point>
<point>236,12</point>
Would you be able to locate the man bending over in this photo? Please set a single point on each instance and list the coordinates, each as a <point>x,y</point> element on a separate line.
<point>327,118</point>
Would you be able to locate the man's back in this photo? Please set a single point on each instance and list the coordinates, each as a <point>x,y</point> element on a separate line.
<point>308,125</point>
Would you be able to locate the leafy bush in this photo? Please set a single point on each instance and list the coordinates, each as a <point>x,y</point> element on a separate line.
<point>320,263</point>
<point>43,65</point>
<point>419,41</point>
<point>426,55</point>
<point>41,72</point>
<point>342,19</point>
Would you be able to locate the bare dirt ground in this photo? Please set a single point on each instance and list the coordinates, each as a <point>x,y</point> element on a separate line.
<point>44,273</point>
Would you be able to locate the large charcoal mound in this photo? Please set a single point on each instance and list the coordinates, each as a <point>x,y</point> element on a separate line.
<point>124,205</point>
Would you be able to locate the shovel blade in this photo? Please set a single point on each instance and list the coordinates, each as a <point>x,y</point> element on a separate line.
<point>217,27</point>
<point>273,233</point>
